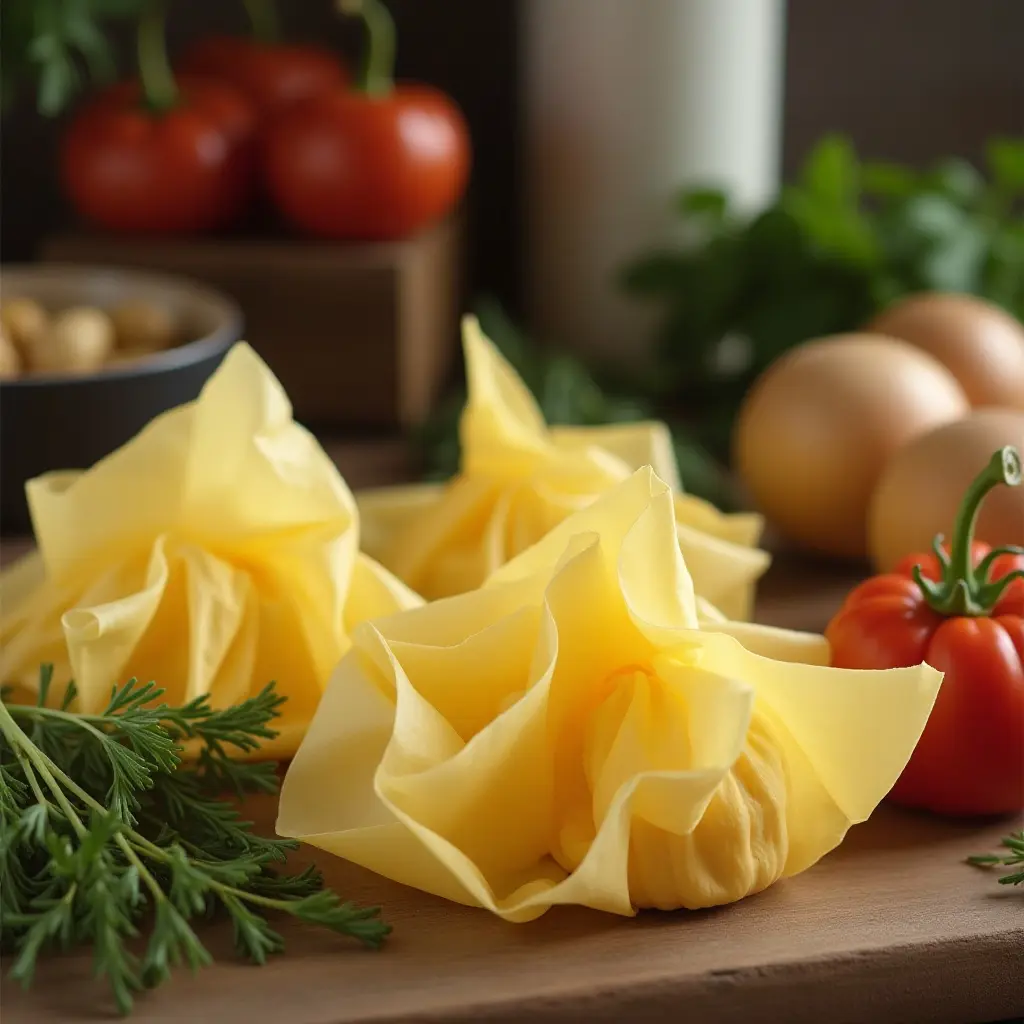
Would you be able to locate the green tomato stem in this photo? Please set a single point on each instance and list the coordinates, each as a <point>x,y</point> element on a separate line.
<point>377,74</point>
<point>159,87</point>
<point>263,20</point>
<point>964,588</point>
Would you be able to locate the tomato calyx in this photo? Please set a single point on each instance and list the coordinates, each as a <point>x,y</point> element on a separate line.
<point>160,91</point>
<point>964,589</point>
<point>377,73</point>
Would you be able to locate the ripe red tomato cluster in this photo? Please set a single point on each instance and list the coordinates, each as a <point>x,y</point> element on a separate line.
<point>337,160</point>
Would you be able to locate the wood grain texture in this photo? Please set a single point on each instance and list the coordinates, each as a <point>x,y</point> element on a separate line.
<point>893,927</point>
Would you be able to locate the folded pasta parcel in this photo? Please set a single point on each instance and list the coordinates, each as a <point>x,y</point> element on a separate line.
<point>215,552</point>
<point>518,478</point>
<point>569,734</point>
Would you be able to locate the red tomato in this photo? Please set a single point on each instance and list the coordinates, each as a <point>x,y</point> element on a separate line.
<point>349,164</point>
<point>970,758</point>
<point>271,75</point>
<point>184,170</point>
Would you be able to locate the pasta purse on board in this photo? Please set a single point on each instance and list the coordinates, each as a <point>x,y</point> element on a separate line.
<point>571,733</point>
<point>216,552</point>
<point>519,478</point>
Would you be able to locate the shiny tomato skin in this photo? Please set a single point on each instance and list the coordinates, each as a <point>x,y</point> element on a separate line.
<point>271,75</point>
<point>352,166</point>
<point>186,170</point>
<point>970,758</point>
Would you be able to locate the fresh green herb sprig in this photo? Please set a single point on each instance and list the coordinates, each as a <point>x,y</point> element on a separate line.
<point>1014,843</point>
<point>105,828</point>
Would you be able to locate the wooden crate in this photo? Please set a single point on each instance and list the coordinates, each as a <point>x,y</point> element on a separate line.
<point>361,335</point>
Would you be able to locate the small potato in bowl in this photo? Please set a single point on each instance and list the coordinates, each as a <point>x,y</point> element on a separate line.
<point>76,383</point>
<point>78,340</point>
<point>83,339</point>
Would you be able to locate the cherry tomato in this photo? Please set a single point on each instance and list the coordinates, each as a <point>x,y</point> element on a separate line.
<point>187,169</point>
<point>271,75</point>
<point>347,164</point>
<point>970,626</point>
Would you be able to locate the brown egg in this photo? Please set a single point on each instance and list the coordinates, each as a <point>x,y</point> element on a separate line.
<point>920,490</point>
<point>981,344</point>
<point>817,428</point>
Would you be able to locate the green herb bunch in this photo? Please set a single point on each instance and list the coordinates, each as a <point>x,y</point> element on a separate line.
<point>1014,858</point>
<point>840,243</point>
<point>106,831</point>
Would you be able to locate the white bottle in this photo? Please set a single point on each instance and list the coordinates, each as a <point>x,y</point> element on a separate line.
<point>627,102</point>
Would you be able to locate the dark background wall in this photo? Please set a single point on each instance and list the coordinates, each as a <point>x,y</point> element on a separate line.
<point>907,79</point>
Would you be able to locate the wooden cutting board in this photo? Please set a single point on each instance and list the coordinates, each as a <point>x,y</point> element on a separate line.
<point>893,928</point>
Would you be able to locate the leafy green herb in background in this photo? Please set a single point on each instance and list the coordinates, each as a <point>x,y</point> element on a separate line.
<point>104,831</point>
<point>841,242</point>
<point>58,47</point>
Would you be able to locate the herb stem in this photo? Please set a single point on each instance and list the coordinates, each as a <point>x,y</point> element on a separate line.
<point>253,897</point>
<point>52,773</point>
<point>128,839</point>
<point>133,858</point>
<point>32,780</point>
<point>59,775</point>
<point>1014,843</point>
<point>82,869</point>
<point>42,764</point>
<point>37,714</point>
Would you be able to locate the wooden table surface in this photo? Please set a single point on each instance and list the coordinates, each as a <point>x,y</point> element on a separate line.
<point>892,927</point>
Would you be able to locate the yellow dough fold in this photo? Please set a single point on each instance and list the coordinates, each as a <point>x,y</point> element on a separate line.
<point>574,731</point>
<point>215,552</point>
<point>518,478</point>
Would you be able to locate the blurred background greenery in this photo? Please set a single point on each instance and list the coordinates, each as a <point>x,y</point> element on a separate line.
<point>843,240</point>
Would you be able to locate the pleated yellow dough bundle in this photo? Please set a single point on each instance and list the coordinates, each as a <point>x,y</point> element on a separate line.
<point>214,553</point>
<point>569,734</point>
<point>519,478</point>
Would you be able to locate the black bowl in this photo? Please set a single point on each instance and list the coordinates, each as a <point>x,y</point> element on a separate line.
<point>54,422</point>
